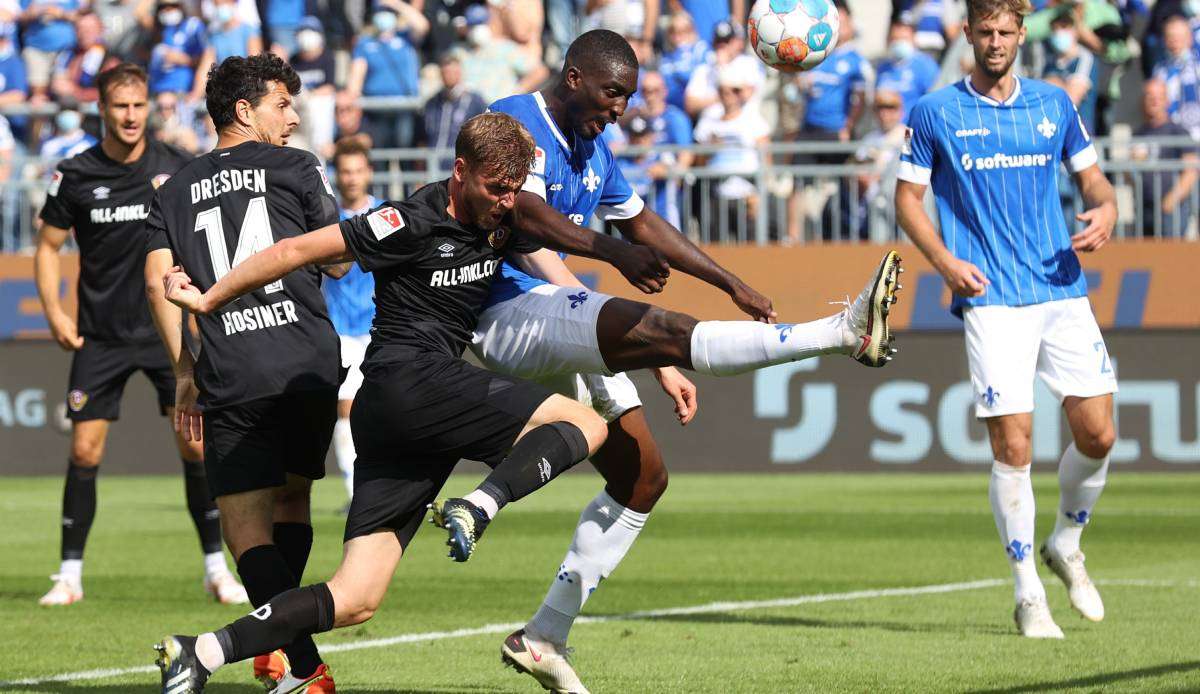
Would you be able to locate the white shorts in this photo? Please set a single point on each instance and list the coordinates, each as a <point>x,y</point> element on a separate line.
<point>354,348</point>
<point>1058,341</point>
<point>548,335</point>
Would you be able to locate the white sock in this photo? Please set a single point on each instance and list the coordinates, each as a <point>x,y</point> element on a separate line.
<point>343,451</point>
<point>484,501</point>
<point>605,532</point>
<point>72,570</point>
<point>214,564</point>
<point>1011,494</point>
<point>208,651</point>
<point>1080,482</point>
<point>726,348</point>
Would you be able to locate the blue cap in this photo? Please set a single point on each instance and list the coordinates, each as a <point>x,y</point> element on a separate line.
<point>310,22</point>
<point>476,15</point>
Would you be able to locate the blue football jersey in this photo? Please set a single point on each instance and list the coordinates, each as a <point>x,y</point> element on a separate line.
<point>351,298</point>
<point>577,177</point>
<point>994,172</point>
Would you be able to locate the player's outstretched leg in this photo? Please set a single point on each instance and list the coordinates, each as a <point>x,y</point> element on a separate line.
<point>560,434</point>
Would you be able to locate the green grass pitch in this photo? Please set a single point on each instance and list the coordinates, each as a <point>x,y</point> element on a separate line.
<point>713,538</point>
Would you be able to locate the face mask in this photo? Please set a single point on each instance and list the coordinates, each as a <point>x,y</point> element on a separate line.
<point>67,121</point>
<point>310,41</point>
<point>479,35</point>
<point>170,18</point>
<point>384,21</point>
<point>224,13</point>
<point>1062,41</point>
<point>901,50</point>
<point>1191,7</point>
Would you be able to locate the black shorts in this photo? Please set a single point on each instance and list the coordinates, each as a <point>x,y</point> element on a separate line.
<point>811,133</point>
<point>100,370</point>
<point>256,444</point>
<point>413,420</point>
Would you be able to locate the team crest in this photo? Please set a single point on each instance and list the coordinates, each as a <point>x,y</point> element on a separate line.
<point>498,238</point>
<point>385,221</point>
<point>906,148</point>
<point>539,162</point>
<point>159,180</point>
<point>325,179</point>
<point>76,400</point>
<point>55,182</point>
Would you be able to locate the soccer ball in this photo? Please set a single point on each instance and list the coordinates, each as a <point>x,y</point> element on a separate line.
<point>793,35</point>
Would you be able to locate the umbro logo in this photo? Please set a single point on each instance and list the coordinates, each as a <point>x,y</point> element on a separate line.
<point>544,470</point>
<point>101,192</point>
<point>1047,128</point>
<point>591,181</point>
<point>447,250</point>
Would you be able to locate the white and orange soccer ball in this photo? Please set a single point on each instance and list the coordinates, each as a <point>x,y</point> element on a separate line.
<point>793,35</point>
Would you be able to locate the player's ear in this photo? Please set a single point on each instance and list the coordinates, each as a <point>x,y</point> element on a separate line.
<point>460,169</point>
<point>966,29</point>
<point>1021,36</point>
<point>572,78</point>
<point>242,110</point>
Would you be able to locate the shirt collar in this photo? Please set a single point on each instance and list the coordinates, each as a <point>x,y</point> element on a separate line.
<point>1012,98</point>
<point>562,140</point>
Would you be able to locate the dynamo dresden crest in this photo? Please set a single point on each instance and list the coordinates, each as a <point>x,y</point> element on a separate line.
<point>76,400</point>
<point>498,238</point>
<point>159,180</point>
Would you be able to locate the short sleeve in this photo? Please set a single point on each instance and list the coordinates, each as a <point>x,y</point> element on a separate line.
<point>383,237</point>
<point>360,49</point>
<point>59,210</point>
<point>156,228</point>
<point>919,150</point>
<point>618,200</point>
<point>15,76</point>
<point>320,207</point>
<point>1078,151</point>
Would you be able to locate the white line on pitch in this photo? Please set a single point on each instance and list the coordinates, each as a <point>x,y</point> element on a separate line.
<point>708,608</point>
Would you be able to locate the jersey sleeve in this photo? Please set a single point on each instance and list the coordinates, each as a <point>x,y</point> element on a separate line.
<point>919,151</point>
<point>156,227</point>
<point>618,200</point>
<point>1078,151</point>
<point>59,210</point>
<point>316,194</point>
<point>384,237</point>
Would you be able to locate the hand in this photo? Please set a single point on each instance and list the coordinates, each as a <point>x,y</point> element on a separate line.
<point>1169,203</point>
<point>1100,222</point>
<point>65,332</point>
<point>188,420</point>
<point>964,278</point>
<point>178,289</point>
<point>681,390</point>
<point>644,268</point>
<point>752,303</point>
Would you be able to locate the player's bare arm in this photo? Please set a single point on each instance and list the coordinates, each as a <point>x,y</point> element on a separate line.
<point>1101,214</point>
<point>964,279</point>
<point>649,229</point>
<point>643,266</point>
<point>322,247</point>
<point>48,276</point>
<point>168,320</point>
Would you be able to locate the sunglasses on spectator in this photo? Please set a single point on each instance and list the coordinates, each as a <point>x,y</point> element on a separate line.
<point>888,105</point>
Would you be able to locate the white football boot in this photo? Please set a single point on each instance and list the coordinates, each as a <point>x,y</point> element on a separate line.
<point>1084,596</point>
<point>225,589</point>
<point>1034,621</point>
<point>866,319</point>
<point>66,591</point>
<point>542,661</point>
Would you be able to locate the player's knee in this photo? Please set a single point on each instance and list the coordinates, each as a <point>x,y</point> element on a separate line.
<point>668,330</point>
<point>86,453</point>
<point>1016,454</point>
<point>653,482</point>
<point>592,425</point>
<point>1098,442</point>
<point>351,606</point>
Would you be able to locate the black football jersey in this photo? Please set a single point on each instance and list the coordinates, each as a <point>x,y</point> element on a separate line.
<point>221,209</point>
<point>432,273</point>
<point>106,203</point>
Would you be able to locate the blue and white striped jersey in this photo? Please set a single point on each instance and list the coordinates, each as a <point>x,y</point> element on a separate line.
<point>994,172</point>
<point>575,176</point>
<point>351,298</point>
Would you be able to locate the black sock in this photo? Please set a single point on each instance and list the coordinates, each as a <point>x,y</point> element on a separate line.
<point>78,508</point>
<point>287,618</point>
<point>294,541</point>
<point>203,509</point>
<point>265,574</point>
<point>536,459</point>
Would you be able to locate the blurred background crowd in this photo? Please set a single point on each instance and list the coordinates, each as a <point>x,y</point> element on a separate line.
<point>399,74</point>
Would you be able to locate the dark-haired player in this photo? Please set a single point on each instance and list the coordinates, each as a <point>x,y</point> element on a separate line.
<point>103,194</point>
<point>267,376</point>
<point>421,407</point>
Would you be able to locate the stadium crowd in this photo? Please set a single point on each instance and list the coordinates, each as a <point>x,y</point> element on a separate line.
<point>401,74</point>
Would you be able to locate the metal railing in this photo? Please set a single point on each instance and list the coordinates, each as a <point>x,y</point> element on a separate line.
<point>784,199</point>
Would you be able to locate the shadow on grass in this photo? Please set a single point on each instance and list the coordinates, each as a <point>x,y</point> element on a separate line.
<point>1099,680</point>
<point>811,623</point>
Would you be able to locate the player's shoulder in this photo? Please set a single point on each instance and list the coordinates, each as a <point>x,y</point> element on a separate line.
<point>930,105</point>
<point>517,105</point>
<point>170,155</point>
<point>426,206</point>
<point>86,161</point>
<point>1034,90</point>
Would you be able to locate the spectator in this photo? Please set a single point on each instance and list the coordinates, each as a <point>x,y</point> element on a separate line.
<point>386,64</point>
<point>740,131</point>
<point>76,71</point>
<point>651,173</point>
<point>446,25</point>
<point>1073,68</point>
<point>10,199</point>
<point>1162,11</point>
<point>281,19</point>
<point>910,73</point>
<point>69,140</point>
<point>636,20</point>
<point>707,14</point>
<point>687,53</point>
<point>1166,195</point>
<point>49,30</point>
<point>729,47</point>
<point>936,23</point>
<point>315,66</point>
<point>446,111</point>
<point>14,88</point>
<point>495,67</point>
<point>1180,71</point>
<point>180,44</point>
<point>173,124</point>
<point>522,22</point>
<point>348,119</point>
<point>881,148</point>
<point>670,126</point>
<point>227,36</point>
